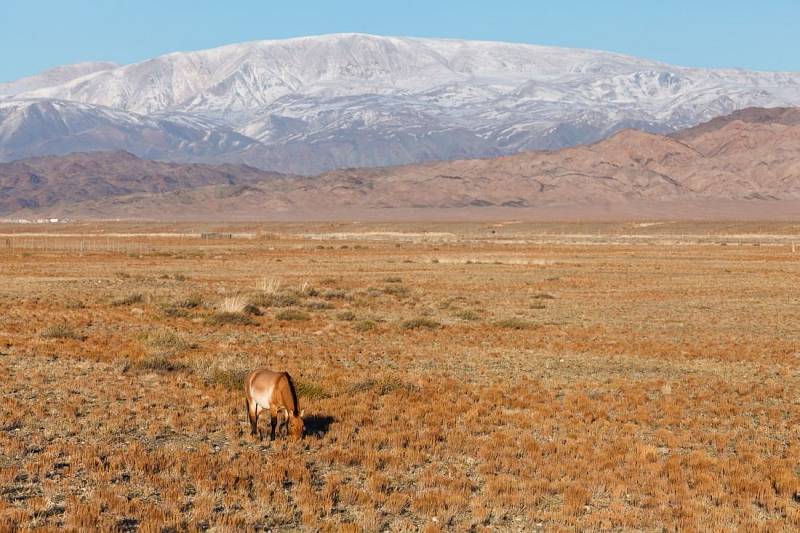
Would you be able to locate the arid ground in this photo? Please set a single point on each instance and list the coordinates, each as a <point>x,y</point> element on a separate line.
<point>454,376</point>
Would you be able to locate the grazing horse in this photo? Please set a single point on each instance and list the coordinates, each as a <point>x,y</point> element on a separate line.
<point>265,390</point>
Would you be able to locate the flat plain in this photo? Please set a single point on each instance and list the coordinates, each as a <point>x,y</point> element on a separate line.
<point>455,376</point>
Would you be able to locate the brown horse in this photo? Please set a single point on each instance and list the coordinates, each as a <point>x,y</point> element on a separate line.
<point>265,390</point>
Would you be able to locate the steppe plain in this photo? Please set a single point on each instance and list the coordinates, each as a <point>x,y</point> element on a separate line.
<point>617,376</point>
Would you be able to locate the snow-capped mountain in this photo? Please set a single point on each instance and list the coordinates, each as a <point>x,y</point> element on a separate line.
<point>32,127</point>
<point>311,104</point>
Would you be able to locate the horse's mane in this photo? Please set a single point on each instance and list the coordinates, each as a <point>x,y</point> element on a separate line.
<point>295,408</point>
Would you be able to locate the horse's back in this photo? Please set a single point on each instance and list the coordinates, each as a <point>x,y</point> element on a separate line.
<point>261,384</point>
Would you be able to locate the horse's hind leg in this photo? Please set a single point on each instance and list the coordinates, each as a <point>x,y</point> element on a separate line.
<point>273,420</point>
<point>258,410</point>
<point>252,415</point>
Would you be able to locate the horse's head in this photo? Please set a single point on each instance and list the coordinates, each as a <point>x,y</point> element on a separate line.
<point>297,428</point>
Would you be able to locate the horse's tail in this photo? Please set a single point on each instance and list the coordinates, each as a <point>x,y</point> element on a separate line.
<point>293,392</point>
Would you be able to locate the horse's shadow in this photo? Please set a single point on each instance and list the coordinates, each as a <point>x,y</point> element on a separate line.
<point>318,425</point>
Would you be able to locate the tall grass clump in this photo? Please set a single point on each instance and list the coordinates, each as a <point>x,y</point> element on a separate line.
<point>238,304</point>
<point>269,285</point>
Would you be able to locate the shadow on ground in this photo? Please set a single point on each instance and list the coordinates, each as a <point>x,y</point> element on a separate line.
<point>317,425</point>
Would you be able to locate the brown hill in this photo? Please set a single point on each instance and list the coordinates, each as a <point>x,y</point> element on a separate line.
<point>46,182</point>
<point>746,163</point>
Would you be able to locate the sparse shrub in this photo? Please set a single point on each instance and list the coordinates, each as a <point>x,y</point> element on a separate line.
<point>319,304</point>
<point>381,386</point>
<point>130,299</point>
<point>60,331</point>
<point>543,296</point>
<point>515,323</point>
<point>159,363</point>
<point>310,390</point>
<point>230,379</point>
<point>253,310</point>
<point>222,318</point>
<point>334,294</point>
<point>180,277</point>
<point>347,316</point>
<point>174,312</point>
<point>467,314</point>
<point>189,302</point>
<point>283,299</point>
<point>417,323</point>
<point>364,325</point>
<point>396,290</point>
<point>74,304</point>
<point>166,340</point>
<point>392,279</point>
<point>292,314</point>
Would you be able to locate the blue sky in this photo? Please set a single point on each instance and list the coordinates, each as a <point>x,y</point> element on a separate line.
<point>764,35</point>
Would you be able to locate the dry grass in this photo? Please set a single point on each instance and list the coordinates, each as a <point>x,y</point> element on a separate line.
<point>223,317</point>
<point>417,323</point>
<point>60,331</point>
<point>577,382</point>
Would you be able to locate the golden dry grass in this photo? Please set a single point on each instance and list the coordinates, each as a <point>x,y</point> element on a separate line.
<point>508,376</point>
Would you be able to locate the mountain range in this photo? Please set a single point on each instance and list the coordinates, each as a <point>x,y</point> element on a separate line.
<point>310,105</point>
<point>744,165</point>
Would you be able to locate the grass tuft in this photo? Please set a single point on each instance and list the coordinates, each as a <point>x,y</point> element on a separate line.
<point>60,331</point>
<point>417,323</point>
<point>159,363</point>
<point>229,379</point>
<point>222,318</point>
<point>292,314</point>
<point>191,301</point>
<point>130,299</point>
<point>311,390</point>
<point>346,316</point>
<point>515,323</point>
<point>166,341</point>
<point>381,386</point>
<point>364,325</point>
<point>467,314</point>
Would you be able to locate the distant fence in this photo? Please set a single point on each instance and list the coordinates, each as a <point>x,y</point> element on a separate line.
<point>131,244</point>
<point>80,246</point>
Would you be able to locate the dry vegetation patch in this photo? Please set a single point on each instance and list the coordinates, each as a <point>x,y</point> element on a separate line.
<point>575,383</point>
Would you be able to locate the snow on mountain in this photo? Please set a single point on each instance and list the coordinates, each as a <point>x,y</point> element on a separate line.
<point>310,104</point>
<point>54,76</point>
<point>37,126</point>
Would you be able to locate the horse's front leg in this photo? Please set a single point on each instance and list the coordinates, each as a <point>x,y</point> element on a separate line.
<point>273,420</point>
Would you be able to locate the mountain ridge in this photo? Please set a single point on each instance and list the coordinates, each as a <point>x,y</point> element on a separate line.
<point>312,104</point>
<point>752,165</point>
